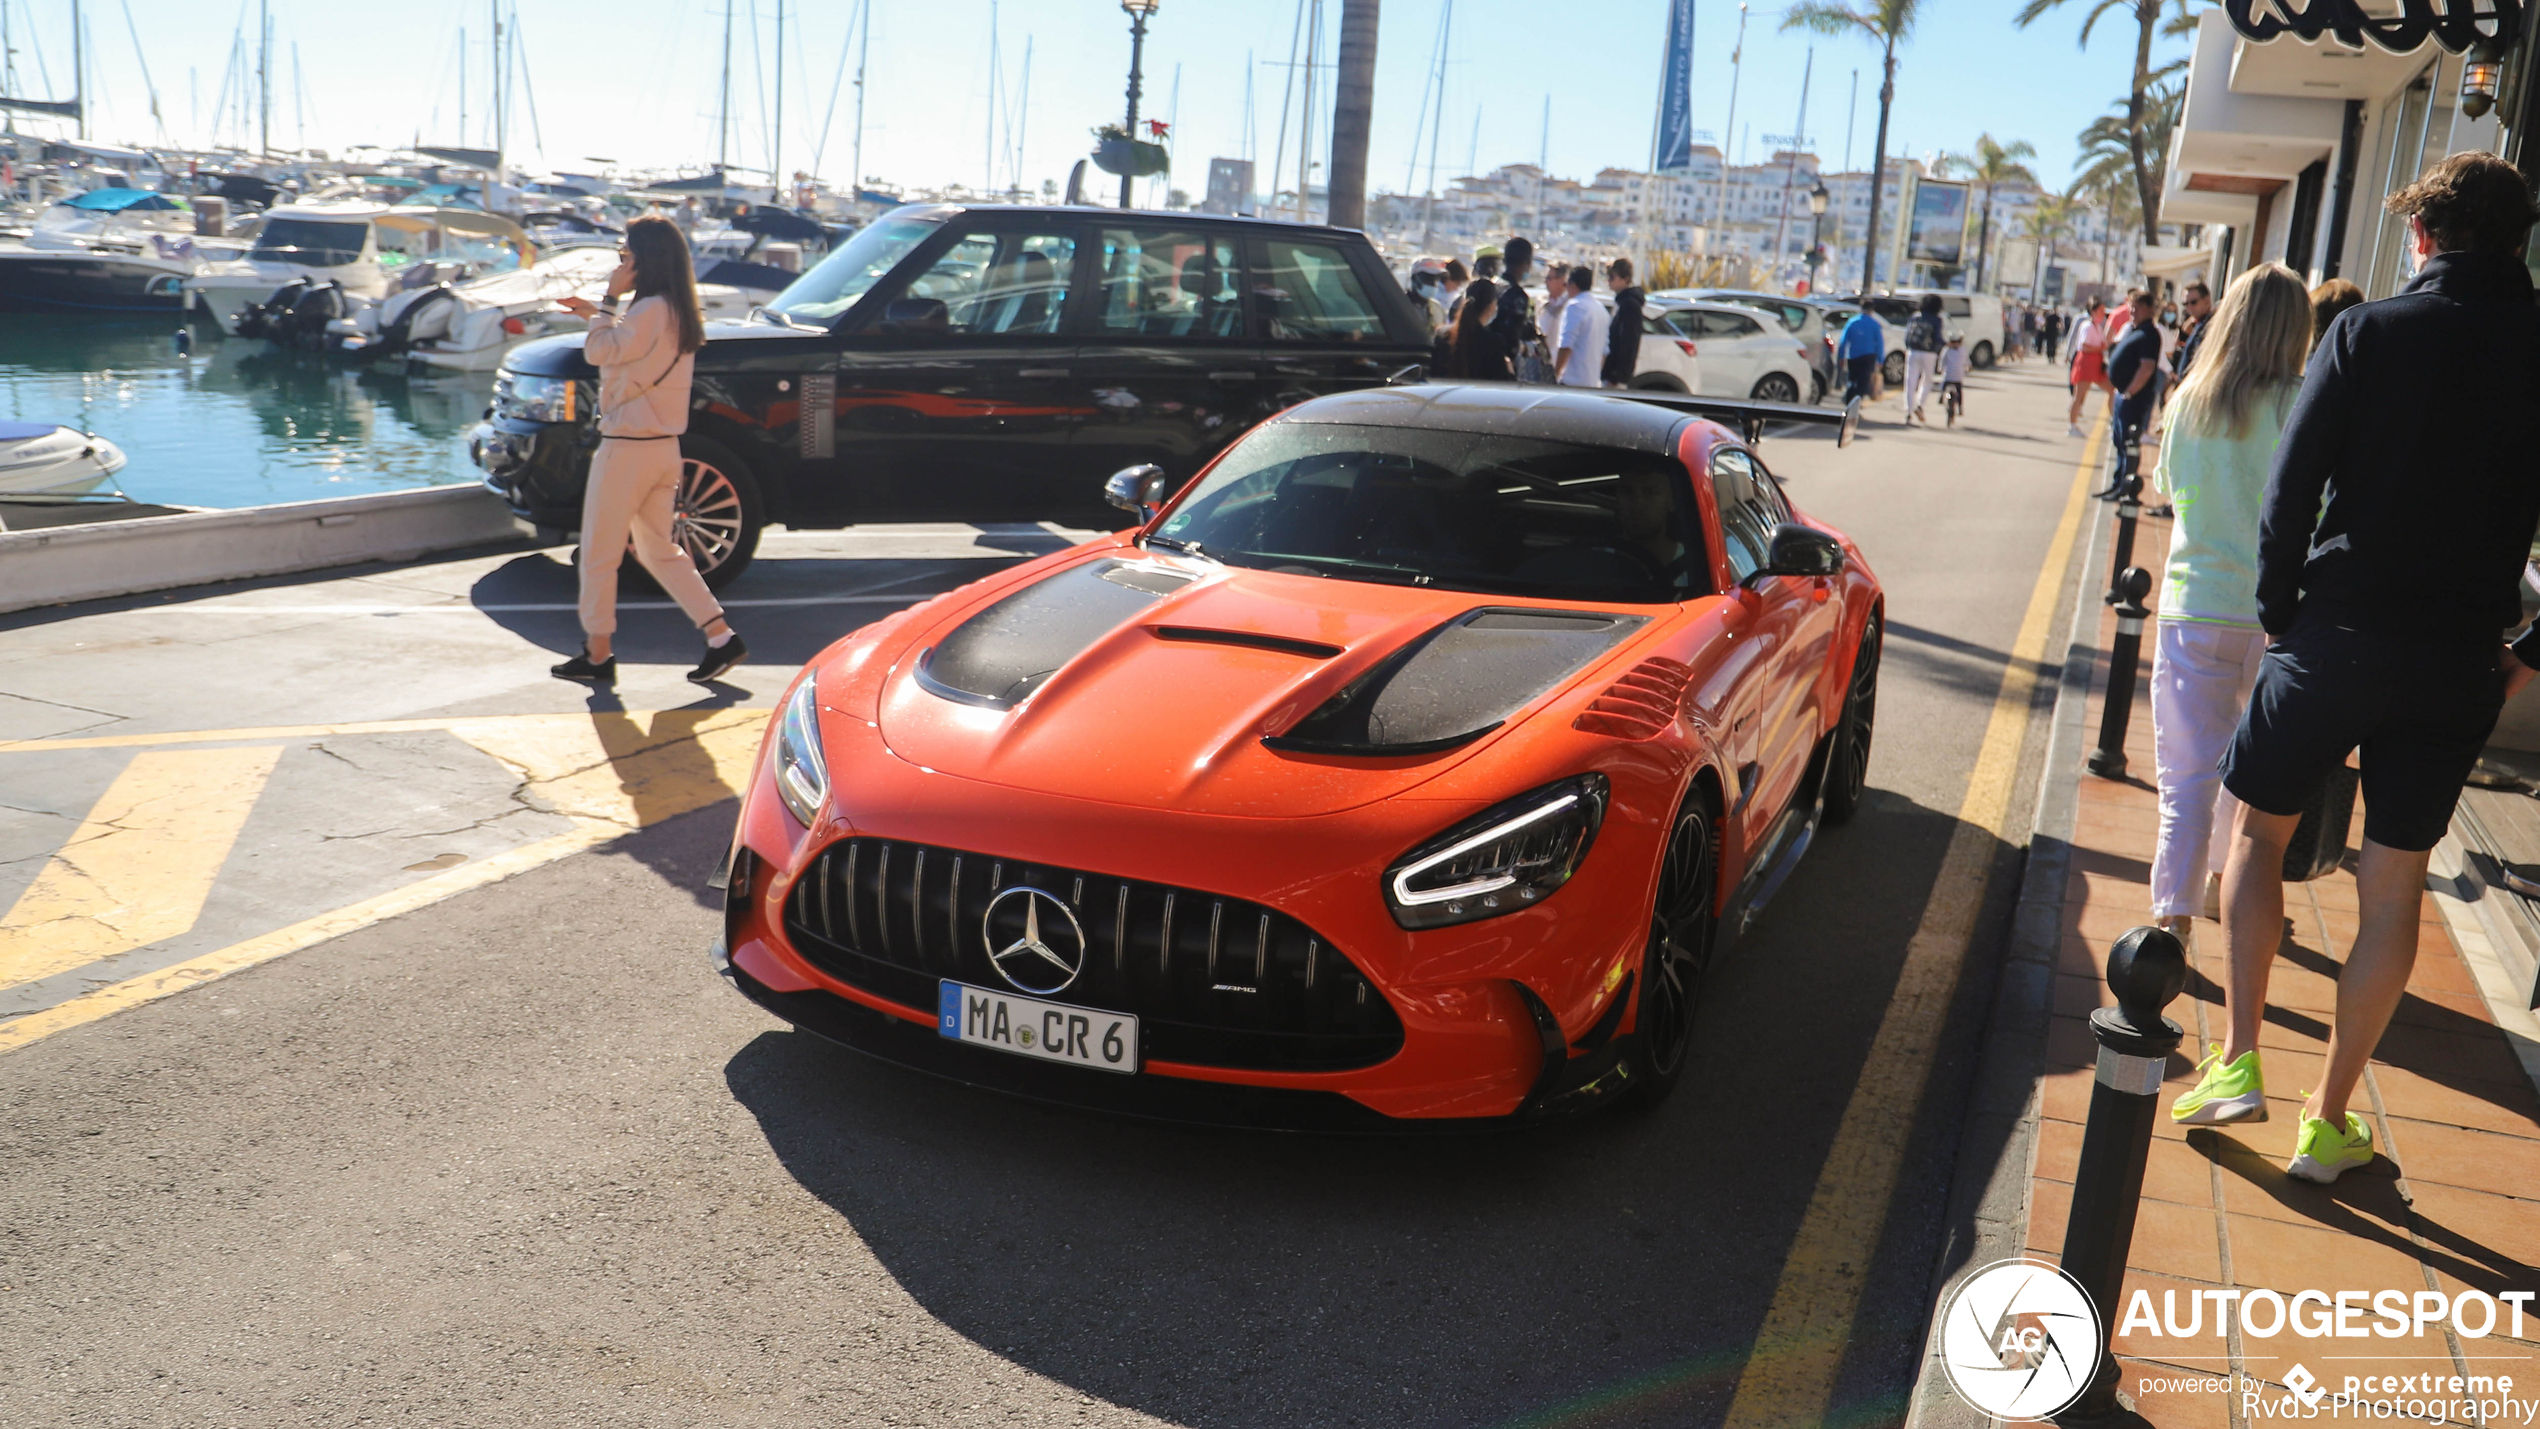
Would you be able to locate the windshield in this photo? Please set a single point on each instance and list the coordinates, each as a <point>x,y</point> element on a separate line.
<point>820,295</point>
<point>1456,510</point>
<point>310,242</point>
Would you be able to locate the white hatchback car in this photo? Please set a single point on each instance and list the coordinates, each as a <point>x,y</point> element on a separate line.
<point>1744,352</point>
<point>1667,361</point>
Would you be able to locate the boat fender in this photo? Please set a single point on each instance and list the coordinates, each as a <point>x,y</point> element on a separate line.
<point>185,342</point>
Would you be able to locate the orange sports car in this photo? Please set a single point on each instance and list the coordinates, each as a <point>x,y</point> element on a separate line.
<point>1405,769</point>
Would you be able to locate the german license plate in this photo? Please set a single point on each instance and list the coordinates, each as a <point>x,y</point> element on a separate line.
<point>1029,1027</point>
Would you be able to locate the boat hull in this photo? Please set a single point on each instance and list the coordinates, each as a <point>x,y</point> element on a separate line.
<point>39,460</point>
<point>34,280</point>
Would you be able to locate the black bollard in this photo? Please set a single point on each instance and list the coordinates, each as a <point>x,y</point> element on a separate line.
<point>2125,653</point>
<point>2129,487</point>
<point>2146,968</point>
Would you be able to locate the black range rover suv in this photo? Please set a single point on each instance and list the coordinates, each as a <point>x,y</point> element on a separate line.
<point>978,363</point>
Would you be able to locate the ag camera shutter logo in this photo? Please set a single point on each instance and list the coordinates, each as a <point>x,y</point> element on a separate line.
<point>2020,1339</point>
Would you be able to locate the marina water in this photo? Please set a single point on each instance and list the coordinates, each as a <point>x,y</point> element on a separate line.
<point>237,423</point>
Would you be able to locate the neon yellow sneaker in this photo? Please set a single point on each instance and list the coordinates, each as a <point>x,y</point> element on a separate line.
<point>2323,1153</point>
<point>2228,1091</point>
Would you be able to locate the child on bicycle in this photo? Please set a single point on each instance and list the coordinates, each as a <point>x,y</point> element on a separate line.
<point>1953,377</point>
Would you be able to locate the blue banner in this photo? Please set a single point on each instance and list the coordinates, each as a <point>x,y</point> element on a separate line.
<point>1675,92</point>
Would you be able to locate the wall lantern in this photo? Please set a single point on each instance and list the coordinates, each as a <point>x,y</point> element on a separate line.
<point>2480,74</point>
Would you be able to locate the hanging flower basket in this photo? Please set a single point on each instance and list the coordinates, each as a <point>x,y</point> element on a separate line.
<point>1117,153</point>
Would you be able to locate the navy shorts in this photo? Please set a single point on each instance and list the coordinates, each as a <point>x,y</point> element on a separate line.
<point>2419,711</point>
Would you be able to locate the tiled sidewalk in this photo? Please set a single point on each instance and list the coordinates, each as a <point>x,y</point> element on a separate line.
<point>2453,1203</point>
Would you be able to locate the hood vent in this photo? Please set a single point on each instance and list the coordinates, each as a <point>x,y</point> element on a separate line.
<point>1248,639</point>
<point>997,658</point>
<point>1457,683</point>
<point>1641,704</point>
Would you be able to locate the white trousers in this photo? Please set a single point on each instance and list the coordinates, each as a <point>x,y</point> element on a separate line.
<point>1919,367</point>
<point>2201,678</point>
<point>630,499</point>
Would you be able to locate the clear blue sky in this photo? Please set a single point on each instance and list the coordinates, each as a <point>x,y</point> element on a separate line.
<point>636,80</point>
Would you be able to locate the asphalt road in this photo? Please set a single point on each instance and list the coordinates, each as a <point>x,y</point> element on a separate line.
<point>518,1157</point>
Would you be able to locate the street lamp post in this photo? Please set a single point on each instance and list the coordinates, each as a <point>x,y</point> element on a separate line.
<point>1817,198</point>
<point>1139,12</point>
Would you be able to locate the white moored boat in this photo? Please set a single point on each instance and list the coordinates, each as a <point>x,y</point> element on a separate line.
<point>360,248</point>
<point>41,459</point>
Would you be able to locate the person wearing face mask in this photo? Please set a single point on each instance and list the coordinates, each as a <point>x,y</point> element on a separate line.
<point>1425,277</point>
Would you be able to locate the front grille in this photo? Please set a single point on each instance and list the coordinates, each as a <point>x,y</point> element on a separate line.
<point>1214,981</point>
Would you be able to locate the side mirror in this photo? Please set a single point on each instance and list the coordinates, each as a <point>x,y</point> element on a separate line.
<point>915,317</point>
<point>1139,490</point>
<point>1798,550</point>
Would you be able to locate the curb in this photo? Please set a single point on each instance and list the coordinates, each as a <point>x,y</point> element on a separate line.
<point>1988,1201</point>
<point>60,564</point>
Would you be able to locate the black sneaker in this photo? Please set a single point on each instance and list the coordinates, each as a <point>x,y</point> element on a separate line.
<point>581,668</point>
<point>720,660</point>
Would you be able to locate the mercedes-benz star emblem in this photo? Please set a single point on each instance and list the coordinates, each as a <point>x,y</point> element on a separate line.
<point>1045,953</point>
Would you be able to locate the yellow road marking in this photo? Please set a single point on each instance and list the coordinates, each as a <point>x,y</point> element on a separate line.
<point>195,972</point>
<point>140,866</point>
<point>611,772</point>
<point>320,731</point>
<point>1789,1375</point>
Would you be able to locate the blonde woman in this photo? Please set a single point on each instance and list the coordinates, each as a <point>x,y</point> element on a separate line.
<point>2224,423</point>
<point>646,360</point>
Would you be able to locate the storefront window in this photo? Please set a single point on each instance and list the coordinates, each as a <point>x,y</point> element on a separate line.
<point>2415,131</point>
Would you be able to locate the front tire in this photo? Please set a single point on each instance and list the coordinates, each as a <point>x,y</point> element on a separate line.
<point>1893,369</point>
<point>1776,387</point>
<point>1683,926</point>
<point>1848,760</point>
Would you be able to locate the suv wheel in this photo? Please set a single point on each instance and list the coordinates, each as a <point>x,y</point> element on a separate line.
<point>1982,358</point>
<point>1776,387</point>
<point>716,514</point>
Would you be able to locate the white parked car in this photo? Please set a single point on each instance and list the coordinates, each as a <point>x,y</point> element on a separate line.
<point>1667,363</point>
<point>1743,352</point>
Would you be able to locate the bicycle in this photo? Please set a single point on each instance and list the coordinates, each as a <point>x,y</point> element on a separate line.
<point>1953,397</point>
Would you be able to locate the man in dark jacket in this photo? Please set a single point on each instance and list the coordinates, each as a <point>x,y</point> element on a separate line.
<point>2398,516</point>
<point>1622,343</point>
<point>1514,323</point>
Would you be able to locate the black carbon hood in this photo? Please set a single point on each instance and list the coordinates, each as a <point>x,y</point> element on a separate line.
<point>998,657</point>
<point>1458,682</point>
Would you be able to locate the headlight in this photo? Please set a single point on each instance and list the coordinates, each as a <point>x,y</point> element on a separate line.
<point>1504,859</point>
<point>534,399</point>
<point>802,773</point>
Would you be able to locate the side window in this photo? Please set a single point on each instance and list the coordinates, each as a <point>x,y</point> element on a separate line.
<point>1746,525</point>
<point>1726,325</point>
<point>1008,283</point>
<point>1307,292</point>
<point>1795,316</point>
<point>1957,307</point>
<point>1160,282</point>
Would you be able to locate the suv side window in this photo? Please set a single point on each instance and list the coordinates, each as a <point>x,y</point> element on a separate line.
<point>1162,282</point>
<point>1304,291</point>
<point>1001,283</point>
<point>1746,514</point>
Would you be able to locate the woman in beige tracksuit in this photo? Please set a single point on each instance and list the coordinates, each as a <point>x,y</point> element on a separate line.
<point>646,360</point>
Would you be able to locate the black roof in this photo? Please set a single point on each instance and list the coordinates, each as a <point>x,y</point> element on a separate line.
<point>1634,421</point>
<point>1585,415</point>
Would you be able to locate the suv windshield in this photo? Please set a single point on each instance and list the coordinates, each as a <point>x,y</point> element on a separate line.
<point>310,242</point>
<point>820,295</point>
<point>1457,510</point>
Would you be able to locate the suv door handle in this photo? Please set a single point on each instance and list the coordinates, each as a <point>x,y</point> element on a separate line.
<point>1043,372</point>
<point>1243,376</point>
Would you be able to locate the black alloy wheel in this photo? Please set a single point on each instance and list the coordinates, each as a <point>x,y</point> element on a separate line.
<point>1776,387</point>
<point>1893,370</point>
<point>1848,761</point>
<point>1683,925</point>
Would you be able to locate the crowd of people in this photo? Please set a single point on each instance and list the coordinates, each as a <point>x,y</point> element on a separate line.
<point>1487,328</point>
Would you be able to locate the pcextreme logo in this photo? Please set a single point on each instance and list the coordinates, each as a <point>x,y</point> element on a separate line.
<point>2020,1339</point>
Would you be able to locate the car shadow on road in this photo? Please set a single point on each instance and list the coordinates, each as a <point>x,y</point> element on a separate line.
<point>1611,1270</point>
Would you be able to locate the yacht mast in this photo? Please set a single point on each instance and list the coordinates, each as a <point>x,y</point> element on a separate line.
<point>497,7</point>
<point>776,144</point>
<point>723,101</point>
<point>864,51</point>
<point>264,77</point>
<point>79,66</point>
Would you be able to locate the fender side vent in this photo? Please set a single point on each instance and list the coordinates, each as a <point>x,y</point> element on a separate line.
<point>1641,704</point>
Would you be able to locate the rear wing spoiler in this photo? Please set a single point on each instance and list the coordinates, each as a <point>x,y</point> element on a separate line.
<point>1750,416</point>
<point>1747,415</point>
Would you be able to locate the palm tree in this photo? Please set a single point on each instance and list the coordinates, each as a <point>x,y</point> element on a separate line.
<point>1352,116</point>
<point>1991,164</point>
<point>1885,22</point>
<point>2141,153</point>
<point>2046,223</point>
<point>2104,146</point>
